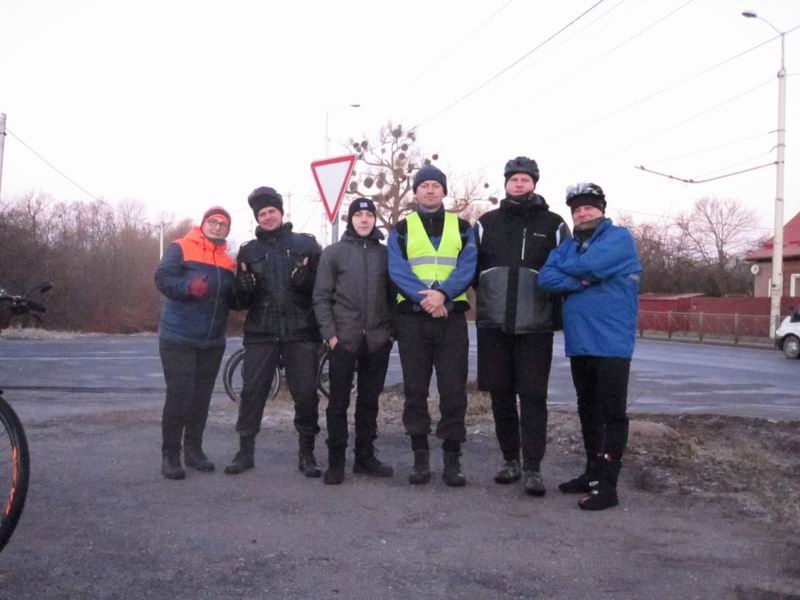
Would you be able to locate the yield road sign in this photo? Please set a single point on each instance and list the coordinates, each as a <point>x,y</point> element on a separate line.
<point>331,176</point>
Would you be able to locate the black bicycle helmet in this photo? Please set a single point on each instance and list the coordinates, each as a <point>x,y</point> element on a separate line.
<point>522,164</point>
<point>586,193</point>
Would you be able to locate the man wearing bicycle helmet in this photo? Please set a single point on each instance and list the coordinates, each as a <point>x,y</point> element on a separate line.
<point>598,272</point>
<point>275,280</point>
<point>196,278</point>
<point>353,308</point>
<point>515,320</point>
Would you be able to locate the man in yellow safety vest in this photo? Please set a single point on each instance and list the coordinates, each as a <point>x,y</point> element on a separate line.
<point>432,258</point>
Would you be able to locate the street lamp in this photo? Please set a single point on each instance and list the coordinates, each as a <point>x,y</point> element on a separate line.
<point>335,227</point>
<point>776,287</point>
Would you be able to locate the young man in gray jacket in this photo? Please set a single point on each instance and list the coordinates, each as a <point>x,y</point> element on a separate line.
<point>353,308</point>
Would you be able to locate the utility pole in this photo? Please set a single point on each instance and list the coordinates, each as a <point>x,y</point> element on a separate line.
<point>2,145</point>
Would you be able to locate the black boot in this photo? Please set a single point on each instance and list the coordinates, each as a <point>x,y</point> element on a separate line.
<point>603,492</point>
<point>452,474</point>
<point>366,463</point>
<point>171,466</point>
<point>336,459</point>
<point>509,472</point>
<point>195,458</point>
<point>533,483</point>
<point>306,461</point>
<point>580,484</point>
<point>245,457</point>
<point>421,472</point>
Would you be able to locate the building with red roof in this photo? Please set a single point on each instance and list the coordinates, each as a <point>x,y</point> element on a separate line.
<point>762,262</point>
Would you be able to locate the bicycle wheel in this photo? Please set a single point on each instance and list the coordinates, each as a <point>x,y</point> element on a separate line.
<point>323,374</point>
<point>14,470</point>
<point>232,377</point>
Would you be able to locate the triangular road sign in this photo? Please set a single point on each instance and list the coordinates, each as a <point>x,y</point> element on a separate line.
<point>331,176</point>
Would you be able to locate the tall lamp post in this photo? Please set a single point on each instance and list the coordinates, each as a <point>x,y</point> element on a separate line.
<point>776,287</point>
<point>335,227</point>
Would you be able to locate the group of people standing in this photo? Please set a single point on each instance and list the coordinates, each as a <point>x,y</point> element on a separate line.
<point>360,295</point>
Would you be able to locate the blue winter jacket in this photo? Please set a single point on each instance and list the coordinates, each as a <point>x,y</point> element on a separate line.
<point>197,322</point>
<point>599,276</point>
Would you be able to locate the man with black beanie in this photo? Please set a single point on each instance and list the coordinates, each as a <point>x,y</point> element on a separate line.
<point>515,320</point>
<point>353,308</point>
<point>432,263</point>
<point>275,280</point>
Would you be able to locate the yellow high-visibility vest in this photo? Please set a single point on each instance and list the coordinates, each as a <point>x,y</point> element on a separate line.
<point>428,263</point>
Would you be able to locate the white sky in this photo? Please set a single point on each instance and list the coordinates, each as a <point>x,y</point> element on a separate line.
<point>185,104</point>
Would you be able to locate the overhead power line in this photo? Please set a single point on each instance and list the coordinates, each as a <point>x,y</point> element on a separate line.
<point>676,178</point>
<point>509,67</point>
<point>52,166</point>
<point>709,149</point>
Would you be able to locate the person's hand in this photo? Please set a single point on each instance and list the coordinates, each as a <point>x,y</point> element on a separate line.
<point>198,287</point>
<point>432,300</point>
<point>245,281</point>
<point>332,341</point>
<point>439,312</point>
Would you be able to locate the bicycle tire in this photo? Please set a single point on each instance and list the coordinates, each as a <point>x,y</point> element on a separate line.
<point>14,470</point>
<point>232,377</point>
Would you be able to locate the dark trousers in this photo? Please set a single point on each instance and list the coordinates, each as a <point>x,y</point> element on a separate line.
<point>426,343</point>
<point>300,361</point>
<point>190,374</point>
<point>601,383</point>
<point>511,365</point>
<point>371,375</point>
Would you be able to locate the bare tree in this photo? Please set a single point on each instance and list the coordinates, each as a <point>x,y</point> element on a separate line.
<point>385,174</point>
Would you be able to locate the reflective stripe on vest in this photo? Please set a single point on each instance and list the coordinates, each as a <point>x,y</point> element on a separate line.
<point>428,263</point>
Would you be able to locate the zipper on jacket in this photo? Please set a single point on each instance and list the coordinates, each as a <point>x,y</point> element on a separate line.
<point>524,235</point>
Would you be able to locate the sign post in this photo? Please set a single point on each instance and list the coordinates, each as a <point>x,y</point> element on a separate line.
<point>331,176</point>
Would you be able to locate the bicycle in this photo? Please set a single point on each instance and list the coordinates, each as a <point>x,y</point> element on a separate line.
<point>232,375</point>
<point>14,454</point>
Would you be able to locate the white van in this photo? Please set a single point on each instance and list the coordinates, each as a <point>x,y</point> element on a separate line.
<point>787,337</point>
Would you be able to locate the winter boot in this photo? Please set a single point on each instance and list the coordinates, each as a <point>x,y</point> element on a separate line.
<point>580,484</point>
<point>452,474</point>
<point>195,458</point>
<point>534,484</point>
<point>509,472</point>
<point>421,472</point>
<point>245,457</point>
<point>366,463</point>
<point>335,473</point>
<point>171,466</point>
<point>603,492</point>
<point>306,462</point>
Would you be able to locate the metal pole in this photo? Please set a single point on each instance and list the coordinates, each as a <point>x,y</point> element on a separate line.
<point>335,224</point>
<point>2,145</point>
<point>777,246</point>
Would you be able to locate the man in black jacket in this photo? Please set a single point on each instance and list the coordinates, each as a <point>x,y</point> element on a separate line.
<point>275,280</point>
<point>515,320</point>
<point>352,304</point>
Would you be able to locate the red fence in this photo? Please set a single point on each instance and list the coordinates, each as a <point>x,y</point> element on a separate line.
<point>702,324</point>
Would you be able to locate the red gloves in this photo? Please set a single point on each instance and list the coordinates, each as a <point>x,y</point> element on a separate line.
<point>198,287</point>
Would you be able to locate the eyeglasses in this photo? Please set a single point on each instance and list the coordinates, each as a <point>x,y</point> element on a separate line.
<point>218,223</point>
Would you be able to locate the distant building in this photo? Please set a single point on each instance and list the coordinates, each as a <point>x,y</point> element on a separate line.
<point>762,262</point>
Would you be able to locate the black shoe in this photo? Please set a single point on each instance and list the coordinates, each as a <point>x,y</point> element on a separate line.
<point>602,496</point>
<point>534,484</point>
<point>421,471</point>
<point>366,463</point>
<point>335,473</point>
<point>509,472</point>
<point>195,458</point>
<point>579,485</point>
<point>171,467</point>
<point>307,464</point>
<point>245,457</point>
<point>452,474</point>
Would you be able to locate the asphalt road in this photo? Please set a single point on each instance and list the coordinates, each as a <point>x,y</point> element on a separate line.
<point>101,523</point>
<point>666,377</point>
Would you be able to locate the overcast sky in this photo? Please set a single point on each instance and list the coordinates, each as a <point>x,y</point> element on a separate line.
<point>185,104</point>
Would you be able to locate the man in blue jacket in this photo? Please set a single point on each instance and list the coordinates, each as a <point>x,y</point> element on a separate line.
<point>432,259</point>
<point>598,272</point>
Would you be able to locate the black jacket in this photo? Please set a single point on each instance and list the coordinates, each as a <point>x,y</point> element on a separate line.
<point>351,292</point>
<point>514,242</point>
<point>281,305</point>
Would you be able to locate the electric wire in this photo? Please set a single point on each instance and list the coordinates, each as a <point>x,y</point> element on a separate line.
<point>709,149</point>
<point>507,68</point>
